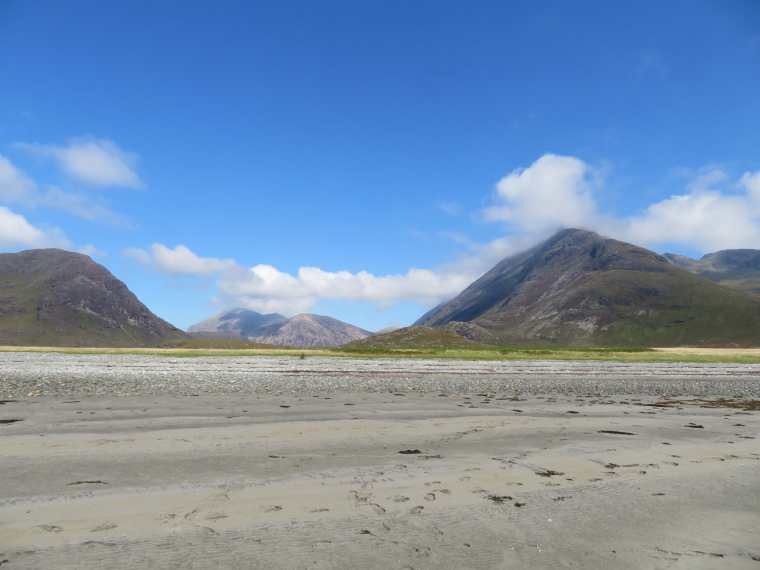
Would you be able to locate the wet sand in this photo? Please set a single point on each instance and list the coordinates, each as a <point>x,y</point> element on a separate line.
<point>378,480</point>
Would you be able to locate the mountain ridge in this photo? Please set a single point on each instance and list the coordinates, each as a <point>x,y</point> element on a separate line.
<point>242,322</point>
<point>304,330</point>
<point>578,288</point>
<point>735,268</point>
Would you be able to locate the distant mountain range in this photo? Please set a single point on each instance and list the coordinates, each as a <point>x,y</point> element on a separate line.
<point>735,268</point>
<point>240,322</point>
<point>304,330</point>
<point>51,297</point>
<point>578,288</point>
<point>575,289</point>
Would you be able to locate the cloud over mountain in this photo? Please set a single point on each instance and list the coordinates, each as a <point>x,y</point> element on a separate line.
<point>713,212</point>
<point>265,288</point>
<point>16,231</point>
<point>556,191</point>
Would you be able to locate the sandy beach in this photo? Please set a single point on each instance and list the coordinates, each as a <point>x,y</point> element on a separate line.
<point>378,480</point>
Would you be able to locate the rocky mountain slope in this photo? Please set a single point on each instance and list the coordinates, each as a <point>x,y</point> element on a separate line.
<point>304,330</point>
<point>51,297</point>
<point>735,268</point>
<point>578,288</point>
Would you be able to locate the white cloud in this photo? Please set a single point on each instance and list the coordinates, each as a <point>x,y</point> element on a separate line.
<point>99,163</point>
<point>712,213</point>
<point>16,231</point>
<point>705,220</point>
<point>265,288</point>
<point>552,193</point>
<point>751,183</point>
<point>83,206</point>
<point>420,285</point>
<point>177,261</point>
<point>261,281</point>
<point>18,188</point>
<point>91,251</point>
<point>140,256</point>
<point>15,186</point>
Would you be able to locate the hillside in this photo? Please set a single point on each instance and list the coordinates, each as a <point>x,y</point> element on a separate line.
<point>416,337</point>
<point>578,288</point>
<point>51,297</point>
<point>735,268</point>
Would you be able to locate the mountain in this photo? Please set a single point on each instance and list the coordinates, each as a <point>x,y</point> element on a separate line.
<point>735,268</point>
<point>310,330</point>
<point>301,330</point>
<point>578,289</point>
<point>51,297</point>
<point>241,322</point>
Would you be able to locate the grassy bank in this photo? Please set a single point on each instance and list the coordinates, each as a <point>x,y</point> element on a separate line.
<point>623,354</point>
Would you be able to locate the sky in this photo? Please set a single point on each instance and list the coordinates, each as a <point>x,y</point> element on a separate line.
<point>367,160</point>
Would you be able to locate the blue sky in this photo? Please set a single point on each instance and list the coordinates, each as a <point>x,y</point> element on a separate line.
<point>367,160</point>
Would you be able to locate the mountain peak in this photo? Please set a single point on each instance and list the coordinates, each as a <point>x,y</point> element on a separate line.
<point>304,330</point>
<point>53,297</point>
<point>242,322</point>
<point>578,288</point>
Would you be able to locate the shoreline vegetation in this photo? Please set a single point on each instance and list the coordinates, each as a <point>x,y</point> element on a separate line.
<point>626,354</point>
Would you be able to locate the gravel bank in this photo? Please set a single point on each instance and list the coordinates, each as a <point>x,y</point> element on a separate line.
<point>74,375</point>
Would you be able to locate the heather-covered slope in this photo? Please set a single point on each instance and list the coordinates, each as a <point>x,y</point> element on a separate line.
<point>578,288</point>
<point>51,297</point>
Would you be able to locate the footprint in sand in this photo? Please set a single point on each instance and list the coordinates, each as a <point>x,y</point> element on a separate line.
<point>102,527</point>
<point>398,498</point>
<point>192,514</point>
<point>416,510</point>
<point>430,497</point>
<point>215,516</point>
<point>353,496</point>
<point>358,498</point>
<point>377,508</point>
